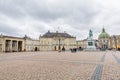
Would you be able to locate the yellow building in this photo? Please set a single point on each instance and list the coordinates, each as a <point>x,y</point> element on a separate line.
<point>57,41</point>
<point>82,44</point>
<point>11,44</point>
<point>31,44</point>
<point>115,42</point>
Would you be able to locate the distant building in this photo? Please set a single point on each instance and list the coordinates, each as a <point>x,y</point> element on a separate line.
<point>56,41</point>
<point>82,44</point>
<point>115,42</point>
<point>31,44</point>
<point>104,40</point>
<point>17,44</point>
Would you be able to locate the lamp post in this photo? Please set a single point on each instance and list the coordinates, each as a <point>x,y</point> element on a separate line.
<point>115,40</point>
<point>58,36</point>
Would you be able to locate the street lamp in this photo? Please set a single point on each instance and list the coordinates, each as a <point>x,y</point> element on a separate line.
<point>58,36</point>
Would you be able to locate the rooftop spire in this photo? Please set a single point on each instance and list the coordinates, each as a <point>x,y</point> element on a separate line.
<point>103,30</point>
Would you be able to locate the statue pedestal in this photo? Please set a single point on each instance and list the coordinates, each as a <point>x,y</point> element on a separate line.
<point>91,45</point>
<point>91,42</point>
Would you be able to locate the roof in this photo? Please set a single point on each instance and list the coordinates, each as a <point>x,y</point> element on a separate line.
<point>11,37</point>
<point>6,36</point>
<point>56,34</point>
<point>115,36</point>
<point>26,37</point>
<point>104,34</point>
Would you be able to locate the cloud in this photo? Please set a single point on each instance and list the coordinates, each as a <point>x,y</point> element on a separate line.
<point>35,17</point>
<point>7,30</point>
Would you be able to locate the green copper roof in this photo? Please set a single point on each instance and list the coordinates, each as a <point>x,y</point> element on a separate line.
<point>104,34</point>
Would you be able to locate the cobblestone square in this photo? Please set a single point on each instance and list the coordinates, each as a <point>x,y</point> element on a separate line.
<point>60,66</point>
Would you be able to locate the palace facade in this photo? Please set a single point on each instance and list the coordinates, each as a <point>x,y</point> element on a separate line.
<point>115,42</point>
<point>11,44</point>
<point>50,41</point>
<point>17,44</point>
<point>57,41</point>
<point>31,44</point>
<point>82,43</point>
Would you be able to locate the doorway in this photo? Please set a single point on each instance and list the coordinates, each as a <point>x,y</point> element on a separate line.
<point>19,46</point>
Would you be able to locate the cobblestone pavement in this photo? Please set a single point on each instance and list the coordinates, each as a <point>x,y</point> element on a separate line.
<point>60,66</point>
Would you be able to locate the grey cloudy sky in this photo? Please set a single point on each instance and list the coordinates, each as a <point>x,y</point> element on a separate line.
<point>76,17</point>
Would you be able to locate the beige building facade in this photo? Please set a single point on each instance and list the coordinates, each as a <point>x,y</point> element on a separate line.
<point>18,44</point>
<point>115,42</point>
<point>54,41</point>
<point>11,44</point>
<point>31,44</point>
<point>82,44</point>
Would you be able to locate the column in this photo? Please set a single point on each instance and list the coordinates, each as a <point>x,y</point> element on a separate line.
<point>11,45</point>
<point>17,46</point>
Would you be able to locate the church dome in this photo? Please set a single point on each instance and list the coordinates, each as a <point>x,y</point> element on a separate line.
<point>104,34</point>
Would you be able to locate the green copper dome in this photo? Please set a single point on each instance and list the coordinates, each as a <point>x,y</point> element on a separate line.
<point>104,34</point>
